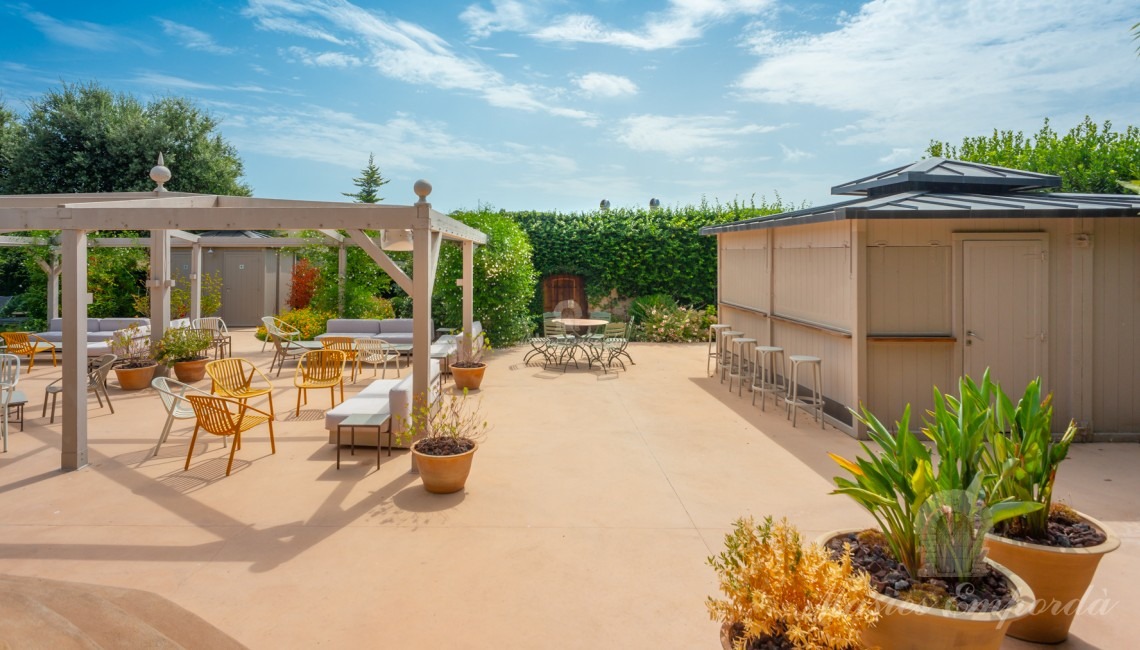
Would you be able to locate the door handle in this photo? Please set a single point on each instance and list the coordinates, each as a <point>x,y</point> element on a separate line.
<point>974,335</point>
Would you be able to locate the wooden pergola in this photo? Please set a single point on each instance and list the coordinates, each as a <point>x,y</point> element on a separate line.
<point>169,215</point>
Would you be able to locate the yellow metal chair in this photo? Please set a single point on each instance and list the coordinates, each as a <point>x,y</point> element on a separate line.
<point>345,344</point>
<point>234,377</point>
<point>226,417</point>
<point>27,344</point>
<point>376,352</point>
<point>319,369</point>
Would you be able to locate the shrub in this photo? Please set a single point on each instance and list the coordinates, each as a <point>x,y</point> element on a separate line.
<point>180,296</point>
<point>636,252</point>
<point>639,307</point>
<point>674,325</point>
<point>504,279</point>
<point>311,322</point>
<point>303,284</point>
<point>376,307</point>
<point>775,588</point>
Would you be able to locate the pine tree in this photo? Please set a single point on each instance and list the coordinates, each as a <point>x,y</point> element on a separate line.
<point>369,182</point>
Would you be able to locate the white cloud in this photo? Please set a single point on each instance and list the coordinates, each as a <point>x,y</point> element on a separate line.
<point>910,70</point>
<point>599,84</point>
<point>795,155</point>
<point>403,51</point>
<point>164,81</point>
<point>682,135</point>
<point>81,34</point>
<point>683,21</point>
<point>898,155</point>
<point>193,39</point>
<point>505,15</point>
<point>324,59</point>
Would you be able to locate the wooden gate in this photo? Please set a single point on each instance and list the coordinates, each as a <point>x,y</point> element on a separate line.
<point>566,294</point>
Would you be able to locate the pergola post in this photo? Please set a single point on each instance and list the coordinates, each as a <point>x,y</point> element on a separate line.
<point>74,382</point>
<point>159,283</point>
<point>52,270</point>
<point>195,281</point>
<point>341,271</point>
<point>468,286</point>
<point>421,304</point>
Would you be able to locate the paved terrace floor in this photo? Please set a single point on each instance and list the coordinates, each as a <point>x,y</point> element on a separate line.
<point>586,522</point>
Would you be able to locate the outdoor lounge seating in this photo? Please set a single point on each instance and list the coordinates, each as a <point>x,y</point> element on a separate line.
<point>319,369</point>
<point>226,417</point>
<point>395,395</point>
<point>97,372</point>
<point>99,330</point>
<point>28,345</point>
<point>234,378</point>
<point>392,330</point>
<point>9,377</point>
<point>177,406</point>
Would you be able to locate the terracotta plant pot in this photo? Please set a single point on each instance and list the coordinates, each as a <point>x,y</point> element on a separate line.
<point>906,626</point>
<point>135,378</point>
<point>1058,576</point>
<point>190,371</point>
<point>444,474</point>
<point>468,378</point>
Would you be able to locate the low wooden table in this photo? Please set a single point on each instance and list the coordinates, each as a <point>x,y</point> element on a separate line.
<point>374,420</point>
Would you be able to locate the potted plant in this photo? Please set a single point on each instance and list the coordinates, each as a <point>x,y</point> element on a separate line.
<point>446,437</point>
<point>183,348</point>
<point>932,583</point>
<point>136,365</point>
<point>781,595</point>
<point>1055,549</point>
<point>468,367</point>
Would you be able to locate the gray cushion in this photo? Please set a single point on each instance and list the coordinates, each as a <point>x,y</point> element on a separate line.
<point>351,335</point>
<point>56,325</point>
<point>395,337</point>
<point>351,326</point>
<point>112,324</point>
<point>389,325</point>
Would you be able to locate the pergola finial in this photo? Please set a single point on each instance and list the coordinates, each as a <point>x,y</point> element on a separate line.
<point>422,189</point>
<point>160,174</point>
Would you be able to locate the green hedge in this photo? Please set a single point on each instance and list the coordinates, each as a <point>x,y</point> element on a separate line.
<point>504,280</point>
<point>636,252</point>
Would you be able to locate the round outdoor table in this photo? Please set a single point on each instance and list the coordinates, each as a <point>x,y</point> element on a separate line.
<point>581,322</point>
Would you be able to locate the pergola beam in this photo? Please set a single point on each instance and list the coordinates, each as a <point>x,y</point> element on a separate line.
<point>380,257</point>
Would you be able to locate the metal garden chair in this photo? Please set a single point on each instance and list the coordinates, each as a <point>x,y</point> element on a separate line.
<point>97,371</point>
<point>9,377</point>
<point>223,342</point>
<point>29,345</point>
<point>234,377</point>
<point>345,344</point>
<point>376,352</point>
<point>226,417</point>
<point>319,369</point>
<point>173,395</point>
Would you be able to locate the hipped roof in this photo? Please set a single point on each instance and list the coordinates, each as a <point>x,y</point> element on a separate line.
<point>938,188</point>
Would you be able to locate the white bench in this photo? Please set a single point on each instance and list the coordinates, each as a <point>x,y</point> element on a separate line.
<point>393,394</point>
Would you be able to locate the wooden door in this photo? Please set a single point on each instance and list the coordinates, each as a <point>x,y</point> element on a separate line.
<point>1004,311</point>
<point>566,294</point>
<point>243,288</point>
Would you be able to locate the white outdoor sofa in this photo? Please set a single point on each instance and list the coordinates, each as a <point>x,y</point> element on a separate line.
<point>391,395</point>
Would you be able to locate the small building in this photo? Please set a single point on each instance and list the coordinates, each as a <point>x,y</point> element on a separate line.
<point>256,271</point>
<point>944,268</point>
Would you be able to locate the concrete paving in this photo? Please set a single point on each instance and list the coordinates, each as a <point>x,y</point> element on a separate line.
<point>591,509</point>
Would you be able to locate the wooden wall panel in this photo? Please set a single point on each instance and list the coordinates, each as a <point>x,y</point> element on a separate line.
<point>1116,323</point>
<point>905,373</point>
<point>744,269</point>
<point>814,284</point>
<point>909,290</point>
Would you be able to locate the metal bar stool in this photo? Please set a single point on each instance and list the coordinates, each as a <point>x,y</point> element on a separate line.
<point>725,347</point>
<point>741,365</point>
<point>765,379</point>
<point>714,345</point>
<point>815,402</point>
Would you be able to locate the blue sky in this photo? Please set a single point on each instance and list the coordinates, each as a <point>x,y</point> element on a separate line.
<point>557,104</point>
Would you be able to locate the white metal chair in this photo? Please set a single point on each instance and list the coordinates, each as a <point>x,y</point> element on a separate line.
<point>173,395</point>
<point>223,342</point>
<point>376,352</point>
<point>9,377</point>
<point>274,325</point>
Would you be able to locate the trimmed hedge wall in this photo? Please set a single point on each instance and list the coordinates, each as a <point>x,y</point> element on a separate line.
<point>636,252</point>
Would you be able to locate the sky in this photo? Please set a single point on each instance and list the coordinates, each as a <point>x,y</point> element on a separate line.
<point>558,104</point>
